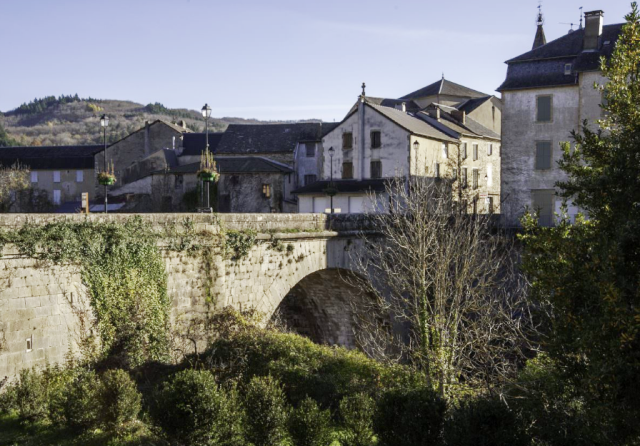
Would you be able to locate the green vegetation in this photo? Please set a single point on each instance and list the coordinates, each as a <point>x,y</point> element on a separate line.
<point>38,105</point>
<point>5,139</point>
<point>585,275</point>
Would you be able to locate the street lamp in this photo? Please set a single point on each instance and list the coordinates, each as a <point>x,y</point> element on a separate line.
<point>206,113</point>
<point>416,145</point>
<point>331,153</point>
<point>104,123</point>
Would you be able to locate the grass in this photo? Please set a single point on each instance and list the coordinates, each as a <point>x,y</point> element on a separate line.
<point>15,433</point>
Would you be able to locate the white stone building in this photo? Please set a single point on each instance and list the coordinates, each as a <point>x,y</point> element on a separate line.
<point>381,139</point>
<point>548,92</point>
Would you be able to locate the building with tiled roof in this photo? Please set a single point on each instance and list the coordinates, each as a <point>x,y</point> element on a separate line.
<point>548,92</point>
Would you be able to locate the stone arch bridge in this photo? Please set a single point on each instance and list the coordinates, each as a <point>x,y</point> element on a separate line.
<point>295,271</point>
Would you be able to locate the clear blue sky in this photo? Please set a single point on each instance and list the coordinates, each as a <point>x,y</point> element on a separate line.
<point>274,59</point>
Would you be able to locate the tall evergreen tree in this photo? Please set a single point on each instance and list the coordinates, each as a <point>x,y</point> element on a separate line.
<point>588,274</point>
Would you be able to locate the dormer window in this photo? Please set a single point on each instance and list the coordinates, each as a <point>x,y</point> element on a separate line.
<point>567,69</point>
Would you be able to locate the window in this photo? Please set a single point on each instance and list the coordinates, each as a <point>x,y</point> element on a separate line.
<point>29,343</point>
<point>56,196</point>
<point>311,150</point>
<point>464,150</point>
<point>56,176</point>
<point>464,177</point>
<point>179,182</point>
<point>475,152</point>
<point>376,141</point>
<point>543,155</point>
<point>347,141</point>
<point>266,190</point>
<point>475,178</point>
<point>34,177</point>
<point>543,113</point>
<point>488,205</point>
<point>445,150</point>
<point>376,169</point>
<point>489,149</point>
<point>489,175</point>
<point>310,179</point>
<point>437,172</point>
<point>567,69</point>
<point>347,170</point>
<point>79,176</point>
<point>543,205</point>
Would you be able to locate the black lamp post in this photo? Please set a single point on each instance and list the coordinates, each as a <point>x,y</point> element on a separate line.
<point>104,123</point>
<point>206,113</point>
<point>331,194</point>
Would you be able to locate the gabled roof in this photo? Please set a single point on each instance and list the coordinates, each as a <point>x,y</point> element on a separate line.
<point>267,138</point>
<point>470,105</point>
<point>455,128</point>
<point>50,157</point>
<point>411,123</point>
<point>570,45</point>
<point>194,143</point>
<point>411,106</point>
<point>177,128</point>
<point>444,87</point>
<point>344,186</point>
<point>236,164</point>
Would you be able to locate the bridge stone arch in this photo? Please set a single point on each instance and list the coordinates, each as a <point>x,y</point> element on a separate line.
<point>302,284</point>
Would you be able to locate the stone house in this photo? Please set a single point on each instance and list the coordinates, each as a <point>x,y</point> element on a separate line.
<point>547,93</point>
<point>375,142</point>
<point>63,173</point>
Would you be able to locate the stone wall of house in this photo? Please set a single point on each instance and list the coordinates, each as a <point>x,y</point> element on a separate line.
<point>48,305</point>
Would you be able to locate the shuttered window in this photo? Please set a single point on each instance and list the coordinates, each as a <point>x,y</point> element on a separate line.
<point>310,149</point>
<point>475,152</point>
<point>543,155</point>
<point>376,169</point>
<point>347,171</point>
<point>310,179</point>
<point>376,141</point>
<point>56,176</point>
<point>464,150</point>
<point>437,170</point>
<point>543,205</point>
<point>464,177</point>
<point>347,141</point>
<point>475,178</point>
<point>445,150</point>
<point>543,109</point>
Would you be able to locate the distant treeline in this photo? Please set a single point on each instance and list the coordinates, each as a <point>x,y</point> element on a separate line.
<point>39,105</point>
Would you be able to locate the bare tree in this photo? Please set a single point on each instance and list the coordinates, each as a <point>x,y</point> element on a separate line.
<point>447,282</point>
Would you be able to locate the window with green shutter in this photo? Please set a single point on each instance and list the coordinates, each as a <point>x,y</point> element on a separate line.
<point>543,203</point>
<point>543,109</point>
<point>543,155</point>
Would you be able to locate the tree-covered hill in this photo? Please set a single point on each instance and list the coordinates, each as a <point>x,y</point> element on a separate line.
<point>70,120</point>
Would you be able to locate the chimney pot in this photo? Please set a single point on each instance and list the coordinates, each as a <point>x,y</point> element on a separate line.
<point>592,29</point>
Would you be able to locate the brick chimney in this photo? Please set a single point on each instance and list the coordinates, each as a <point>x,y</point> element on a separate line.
<point>592,30</point>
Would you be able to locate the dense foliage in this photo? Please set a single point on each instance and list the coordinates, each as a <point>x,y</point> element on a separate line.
<point>587,275</point>
<point>5,139</point>
<point>38,105</point>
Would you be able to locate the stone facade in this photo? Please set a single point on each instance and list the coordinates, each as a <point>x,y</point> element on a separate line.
<point>44,303</point>
<point>62,185</point>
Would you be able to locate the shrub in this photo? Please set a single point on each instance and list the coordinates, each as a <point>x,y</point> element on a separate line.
<point>31,395</point>
<point>57,379</point>
<point>483,422</point>
<point>356,412</point>
<point>193,410</point>
<point>409,417</point>
<point>309,425</point>
<point>119,400</point>
<point>267,412</point>
<point>80,400</point>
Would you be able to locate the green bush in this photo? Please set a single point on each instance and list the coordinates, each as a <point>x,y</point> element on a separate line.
<point>57,379</point>
<point>193,410</point>
<point>31,396</point>
<point>267,412</point>
<point>483,422</point>
<point>356,412</point>
<point>80,400</point>
<point>309,425</point>
<point>120,401</point>
<point>409,417</point>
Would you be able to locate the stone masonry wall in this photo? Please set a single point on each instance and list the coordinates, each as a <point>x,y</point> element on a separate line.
<point>48,304</point>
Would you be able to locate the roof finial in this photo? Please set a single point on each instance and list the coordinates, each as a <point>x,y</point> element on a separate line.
<point>443,75</point>
<point>363,87</point>
<point>540,20</point>
<point>580,17</point>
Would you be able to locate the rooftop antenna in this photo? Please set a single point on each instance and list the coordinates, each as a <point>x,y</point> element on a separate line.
<point>572,24</point>
<point>580,17</point>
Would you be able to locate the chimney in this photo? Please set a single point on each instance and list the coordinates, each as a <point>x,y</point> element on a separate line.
<point>404,107</point>
<point>592,30</point>
<point>460,116</point>
<point>183,124</point>
<point>435,113</point>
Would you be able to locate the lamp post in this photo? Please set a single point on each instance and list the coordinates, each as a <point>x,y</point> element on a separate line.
<point>104,123</point>
<point>331,153</point>
<point>206,113</point>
